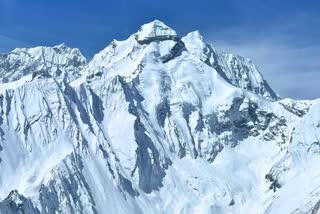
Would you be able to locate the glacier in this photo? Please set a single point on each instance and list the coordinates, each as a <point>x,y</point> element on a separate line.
<point>156,123</point>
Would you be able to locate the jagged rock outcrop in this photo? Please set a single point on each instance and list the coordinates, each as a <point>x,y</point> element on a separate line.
<point>17,204</point>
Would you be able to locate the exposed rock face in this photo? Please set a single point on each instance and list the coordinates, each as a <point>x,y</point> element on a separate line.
<point>155,31</point>
<point>17,204</point>
<point>297,107</point>
<point>167,125</point>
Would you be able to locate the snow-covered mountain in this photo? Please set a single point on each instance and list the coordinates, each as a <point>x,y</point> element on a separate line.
<point>153,124</point>
<point>235,69</point>
<point>59,61</point>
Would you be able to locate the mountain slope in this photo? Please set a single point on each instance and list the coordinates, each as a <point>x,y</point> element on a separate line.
<point>150,126</point>
<point>237,70</point>
<point>59,61</point>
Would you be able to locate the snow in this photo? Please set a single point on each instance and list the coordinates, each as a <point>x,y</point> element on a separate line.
<point>165,126</point>
<point>153,29</point>
<point>237,70</point>
<point>59,61</point>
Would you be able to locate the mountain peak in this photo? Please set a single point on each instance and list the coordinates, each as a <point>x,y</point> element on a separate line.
<point>160,125</point>
<point>57,59</point>
<point>195,35</point>
<point>195,42</point>
<point>155,29</point>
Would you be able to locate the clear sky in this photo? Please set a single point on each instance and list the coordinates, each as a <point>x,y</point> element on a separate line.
<point>281,36</point>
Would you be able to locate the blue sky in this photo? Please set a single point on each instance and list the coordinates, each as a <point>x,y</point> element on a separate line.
<point>282,37</point>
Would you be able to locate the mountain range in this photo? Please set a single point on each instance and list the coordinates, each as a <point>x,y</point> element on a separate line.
<point>156,123</point>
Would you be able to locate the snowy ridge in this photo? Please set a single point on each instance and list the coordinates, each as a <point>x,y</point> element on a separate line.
<point>166,125</point>
<point>59,61</point>
<point>155,30</point>
<point>235,69</point>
